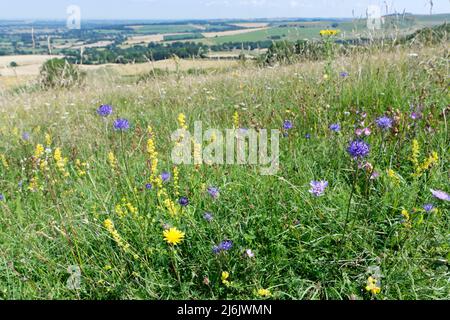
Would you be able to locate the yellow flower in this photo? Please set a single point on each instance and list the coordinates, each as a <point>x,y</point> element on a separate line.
<point>48,140</point>
<point>4,161</point>
<point>265,293</point>
<point>225,277</point>
<point>109,225</point>
<point>373,285</point>
<point>112,160</point>
<point>328,32</point>
<point>394,176</point>
<point>236,119</point>
<point>176,179</point>
<point>182,121</point>
<point>407,218</point>
<point>173,236</point>
<point>39,151</point>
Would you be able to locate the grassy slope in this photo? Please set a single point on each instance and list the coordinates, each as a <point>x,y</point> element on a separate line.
<point>297,239</point>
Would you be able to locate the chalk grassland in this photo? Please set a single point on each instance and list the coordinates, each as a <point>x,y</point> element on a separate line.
<point>89,206</point>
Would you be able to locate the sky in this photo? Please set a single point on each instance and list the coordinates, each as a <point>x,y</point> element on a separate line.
<point>209,9</point>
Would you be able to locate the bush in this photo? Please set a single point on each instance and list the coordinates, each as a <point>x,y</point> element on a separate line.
<point>59,73</point>
<point>13,64</point>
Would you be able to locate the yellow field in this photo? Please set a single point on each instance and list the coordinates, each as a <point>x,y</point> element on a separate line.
<point>231,32</point>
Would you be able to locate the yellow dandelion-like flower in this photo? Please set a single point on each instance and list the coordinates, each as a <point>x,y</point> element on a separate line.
<point>329,32</point>
<point>225,277</point>
<point>373,285</point>
<point>265,293</point>
<point>173,236</point>
<point>182,121</point>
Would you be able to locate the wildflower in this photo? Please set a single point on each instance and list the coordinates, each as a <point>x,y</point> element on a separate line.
<point>4,161</point>
<point>213,192</point>
<point>225,276</point>
<point>39,151</point>
<point>415,152</point>
<point>184,202</point>
<point>165,176</point>
<point>182,121</point>
<point>428,207</point>
<point>173,236</point>
<point>25,136</point>
<point>384,123</point>
<point>358,149</point>
<point>287,125</point>
<point>223,246</point>
<point>2,197</point>
<point>406,218</point>
<point>394,176</point>
<point>208,216</point>
<point>148,186</point>
<point>344,74</point>
<point>307,136</point>
<point>109,225</point>
<point>375,175</point>
<point>318,188</point>
<point>236,119</point>
<point>336,127</point>
<point>249,253</point>
<point>105,110</point>
<point>112,160</point>
<point>366,131</point>
<point>441,195</point>
<point>170,206</point>
<point>264,293</point>
<point>121,125</point>
<point>206,281</point>
<point>60,162</point>
<point>81,167</point>
<point>48,140</point>
<point>328,32</point>
<point>415,116</point>
<point>176,179</point>
<point>373,285</point>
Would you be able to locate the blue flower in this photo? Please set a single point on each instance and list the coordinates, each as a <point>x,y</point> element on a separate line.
<point>165,176</point>
<point>26,136</point>
<point>223,246</point>
<point>121,124</point>
<point>148,186</point>
<point>208,216</point>
<point>105,110</point>
<point>344,74</point>
<point>358,149</point>
<point>184,202</point>
<point>336,127</point>
<point>384,123</point>
<point>307,136</point>
<point>213,192</point>
<point>428,207</point>
<point>318,188</point>
<point>288,125</point>
<point>2,197</point>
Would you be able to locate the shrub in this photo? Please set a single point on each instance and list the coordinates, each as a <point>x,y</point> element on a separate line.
<point>59,73</point>
<point>13,64</point>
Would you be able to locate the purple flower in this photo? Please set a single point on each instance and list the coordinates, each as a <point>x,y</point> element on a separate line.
<point>208,216</point>
<point>344,74</point>
<point>184,202</point>
<point>121,124</point>
<point>287,125</point>
<point>428,207</point>
<point>336,127</point>
<point>165,176</point>
<point>223,246</point>
<point>308,136</point>
<point>358,149</point>
<point>148,186</point>
<point>318,188</point>
<point>415,116</point>
<point>2,197</point>
<point>105,110</point>
<point>384,123</point>
<point>26,136</point>
<point>365,131</point>
<point>213,192</point>
<point>441,195</point>
<point>249,253</point>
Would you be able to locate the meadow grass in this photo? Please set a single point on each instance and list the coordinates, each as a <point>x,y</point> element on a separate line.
<point>54,207</point>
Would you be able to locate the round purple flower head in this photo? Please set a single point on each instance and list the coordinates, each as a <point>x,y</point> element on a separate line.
<point>441,195</point>
<point>26,136</point>
<point>384,123</point>
<point>213,192</point>
<point>148,186</point>
<point>358,149</point>
<point>318,188</point>
<point>184,202</point>
<point>307,136</point>
<point>226,245</point>
<point>2,197</point>
<point>428,207</point>
<point>165,176</point>
<point>336,127</point>
<point>121,124</point>
<point>288,125</point>
<point>344,74</point>
<point>105,110</point>
<point>208,216</point>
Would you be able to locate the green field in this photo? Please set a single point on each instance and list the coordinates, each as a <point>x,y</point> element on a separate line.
<point>79,219</point>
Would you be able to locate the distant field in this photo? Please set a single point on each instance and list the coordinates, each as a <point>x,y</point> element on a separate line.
<point>28,65</point>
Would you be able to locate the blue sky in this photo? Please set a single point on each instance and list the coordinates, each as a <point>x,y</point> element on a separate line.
<point>207,9</point>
